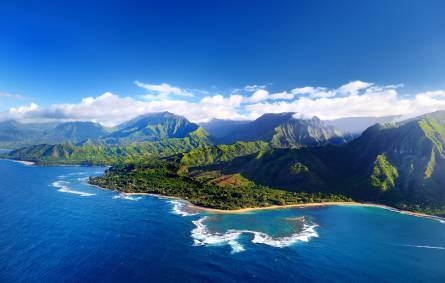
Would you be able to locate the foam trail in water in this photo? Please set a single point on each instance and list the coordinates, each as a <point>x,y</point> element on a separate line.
<point>202,236</point>
<point>424,247</point>
<point>65,189</point>
<point>127,197</point>
<point>179,208</point>
<point>77,173</point>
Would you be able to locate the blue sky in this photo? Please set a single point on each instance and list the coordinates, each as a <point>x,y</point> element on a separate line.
<point>54,53</point>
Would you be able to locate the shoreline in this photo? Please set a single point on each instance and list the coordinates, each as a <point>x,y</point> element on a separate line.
<point>289,206</point>
<point>24,162</point>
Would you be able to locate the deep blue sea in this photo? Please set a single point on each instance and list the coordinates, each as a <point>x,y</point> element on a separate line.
<point>56,228</point>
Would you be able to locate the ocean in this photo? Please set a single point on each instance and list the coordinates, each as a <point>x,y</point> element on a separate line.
<point>54,227</point>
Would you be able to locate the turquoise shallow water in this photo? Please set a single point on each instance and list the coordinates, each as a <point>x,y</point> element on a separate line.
<point>56,228</point>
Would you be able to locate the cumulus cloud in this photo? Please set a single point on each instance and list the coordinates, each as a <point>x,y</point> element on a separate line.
<point>353,87</point>
<point>161,91</point>
<point>354,99</point>
<point>258,95</point>
<point>110,109</point>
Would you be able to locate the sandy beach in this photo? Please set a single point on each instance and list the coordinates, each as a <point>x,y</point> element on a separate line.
<point>302,205</point>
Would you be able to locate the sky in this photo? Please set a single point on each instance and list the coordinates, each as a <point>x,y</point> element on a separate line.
<point>112,60</point>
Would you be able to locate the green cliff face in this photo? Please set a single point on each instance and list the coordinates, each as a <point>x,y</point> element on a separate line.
<point>398,163</point>
<point>383,175</point>
<point>282,130</point>
<point>221,153</point>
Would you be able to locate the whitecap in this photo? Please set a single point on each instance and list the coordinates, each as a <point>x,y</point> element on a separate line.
<point>179,208</point>
<point>126,197</point>
<point>305,235</point>
<point>62,187</point>
<point>202,236</point>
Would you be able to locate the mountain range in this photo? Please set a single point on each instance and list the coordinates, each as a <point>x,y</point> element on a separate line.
<point>398,163</point>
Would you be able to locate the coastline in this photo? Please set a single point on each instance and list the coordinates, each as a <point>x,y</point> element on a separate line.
<point>24,162</point>
<point>289,206</point>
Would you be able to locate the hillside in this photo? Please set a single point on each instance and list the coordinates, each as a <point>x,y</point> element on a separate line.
<point>93,154</point>
<point>282,130</point>
<point>74,132</point>
<point>151,127</point>
<point>14,134</point>
<point>357,125</point>
<point>400,164</point>
<point>219,128</point>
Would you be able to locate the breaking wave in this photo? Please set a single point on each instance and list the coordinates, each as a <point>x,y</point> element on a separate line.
<point>127,197</point>
<point>62,187</point>
<point>202,236</point>
<point>179,208</point>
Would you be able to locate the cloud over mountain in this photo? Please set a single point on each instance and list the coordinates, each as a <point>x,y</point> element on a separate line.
<point>355,98</point>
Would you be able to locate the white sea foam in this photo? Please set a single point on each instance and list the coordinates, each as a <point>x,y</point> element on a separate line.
<point>202,236</point>
<point>425,247</point>
<point>62,187</point>
<point>281,242</point>
<point>179,208</point>
<point>127,197</point>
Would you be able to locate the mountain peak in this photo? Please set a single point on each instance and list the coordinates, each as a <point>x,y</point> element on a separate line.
<point>153,126</point>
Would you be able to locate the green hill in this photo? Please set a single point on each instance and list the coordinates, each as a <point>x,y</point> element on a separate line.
<point>399,163</point>
<point>151,127</point>
<point>282,130</point>
<point>14,134</point>
<point>93,154</point>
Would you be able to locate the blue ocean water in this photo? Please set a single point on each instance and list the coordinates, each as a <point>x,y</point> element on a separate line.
<point>56,228</point>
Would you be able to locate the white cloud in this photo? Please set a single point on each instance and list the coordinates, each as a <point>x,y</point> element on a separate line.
<point>162,91</point>
<point>353,87</point>
<point>253,88</point>
<point>303,90</point>
<point>258,95</point>
<point>284,95</point>
<point>351,100</point>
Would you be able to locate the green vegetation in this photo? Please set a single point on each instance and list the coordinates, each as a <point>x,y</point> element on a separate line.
<point>299,168</point>
<point>152,127</point>
<point>161,178</point>
<point>398,164</point>
<point>384,175</point>
<point>296,133</point>
<point>108,154</point>
<point>221,153</point>
<point>14,134</point>
<point>282,130</point>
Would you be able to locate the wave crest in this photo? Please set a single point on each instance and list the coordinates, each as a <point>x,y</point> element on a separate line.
<point>63,188</point>
<point>202,236</point>
<point>179,208</point>
<point>126,197</point>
